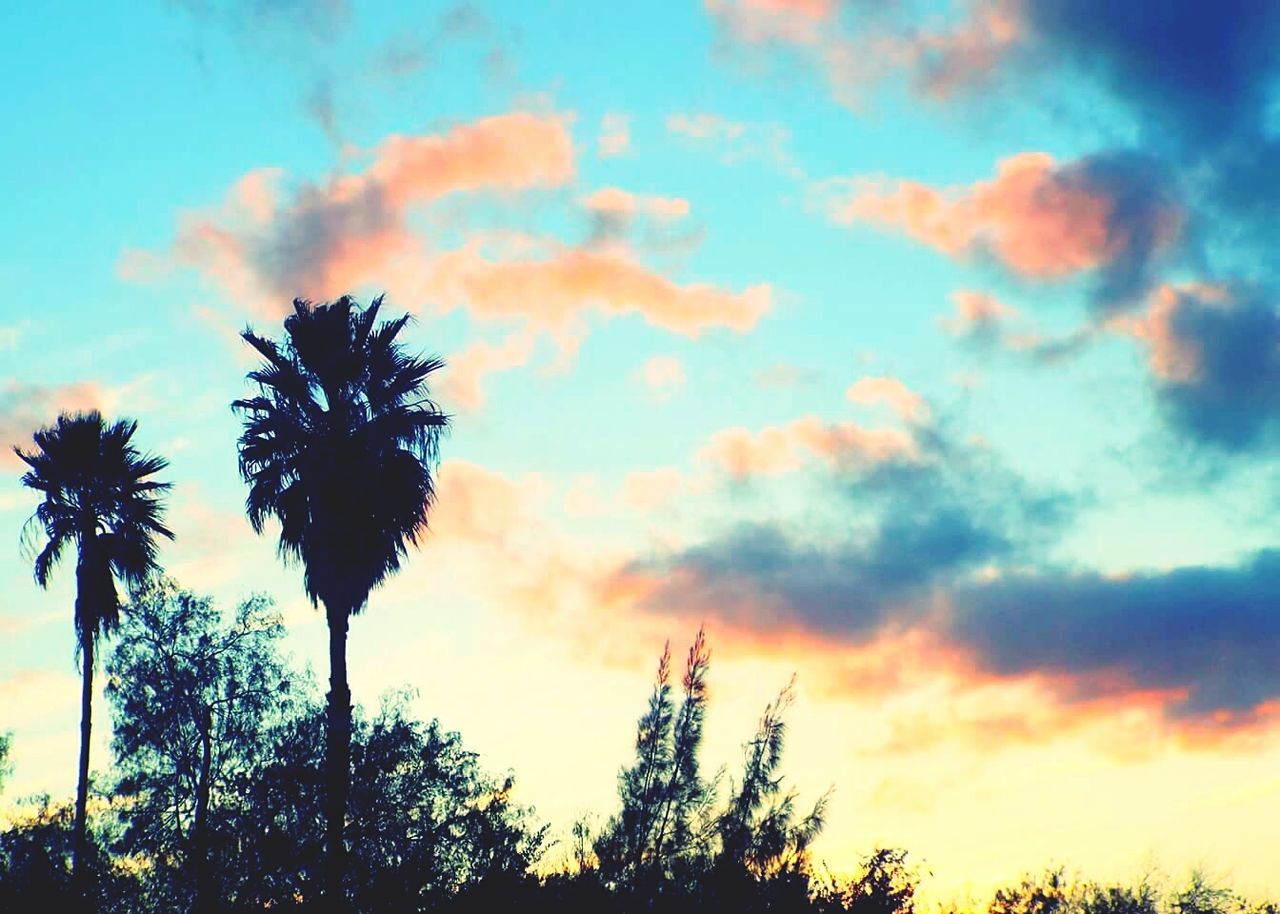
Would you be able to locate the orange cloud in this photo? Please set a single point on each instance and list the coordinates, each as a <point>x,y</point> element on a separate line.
<point>322,240</point>
<point>937,62</point>
<point>662,373</point>
<point>1173,356</point>
<point>902,400</point>
<point>618,202</point>
<point>784,448</point>
<point>462,382</point>
<point>553,291</point>
<point>1039,219</point>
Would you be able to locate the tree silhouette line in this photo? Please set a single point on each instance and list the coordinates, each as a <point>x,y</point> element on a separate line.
<point>235,788</point>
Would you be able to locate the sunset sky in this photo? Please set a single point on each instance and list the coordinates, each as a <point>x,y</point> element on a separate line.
<point>928,350</point>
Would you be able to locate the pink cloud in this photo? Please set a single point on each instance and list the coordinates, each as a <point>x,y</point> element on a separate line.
<point>853,55</point>
<point>24,408</point>
<point>784,448</point>
<point>1173,355</point>
<point>976,312</point>
<point>462,381</point>
<point>615,201</point>
<point>553,291</point>
<point>662,373</point>
<point>1039,219</point>
<point>735,141</point>
<point>321,240</point>
<point>891,392</point>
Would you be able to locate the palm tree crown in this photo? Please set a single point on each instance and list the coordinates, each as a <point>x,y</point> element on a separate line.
<point>97,497</point>
<point>339,446</point>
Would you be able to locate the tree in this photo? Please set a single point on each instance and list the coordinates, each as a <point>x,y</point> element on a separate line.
<point>98,497</point>
<point>425,821</point>
<point>758,831</point>
<point>664,800</point>
<point>5,767</point>
<point>339,446</point>
<point>191,696</point>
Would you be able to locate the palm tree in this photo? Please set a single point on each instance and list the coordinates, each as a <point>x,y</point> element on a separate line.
<point>339,446</point>
<point>98,497</point>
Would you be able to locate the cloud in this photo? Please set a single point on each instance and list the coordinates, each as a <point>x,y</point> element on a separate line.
<point>662,374</point>
<point>1203,71</point>
<point>1214,357</point>
<point>734,142</point>
<point>1108,215</point>
<point>615,201</point>
<point>553,291</point>
<point>978,315</point>
<point>908,405</point>
<point>1204,638</point>
<point>265,247</point>
<point>24,408</point>
<point>784,448</point>
<point>615,213</point>
<point>940,563</point>
<point>615,135</point>
<point>462,382</point>
<point>853,50</point>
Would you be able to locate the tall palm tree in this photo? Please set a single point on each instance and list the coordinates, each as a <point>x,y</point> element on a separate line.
<point>98,497</point>
<point>339,446</point>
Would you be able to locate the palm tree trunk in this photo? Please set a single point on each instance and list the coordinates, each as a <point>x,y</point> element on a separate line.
<point>337,760</point>
<point>80,848</point>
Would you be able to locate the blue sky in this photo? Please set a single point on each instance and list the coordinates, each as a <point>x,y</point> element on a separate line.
<point>930,353</point>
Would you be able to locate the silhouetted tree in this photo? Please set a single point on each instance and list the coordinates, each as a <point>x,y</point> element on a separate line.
<point>99,498</point>
<point>759,833</point>
<point>425,821</point>
<point>36,852</point>
<point>190,696</point>
<point>663,825</point>
<point>5,766</point>
<point>339,446</point>
<point>884,884</point>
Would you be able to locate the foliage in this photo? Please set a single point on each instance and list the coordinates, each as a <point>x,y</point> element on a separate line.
<point>664,824</point>
<point>6,767</point>
<point>424,820</point>
<point>674,838</point>
<point>190,696</point>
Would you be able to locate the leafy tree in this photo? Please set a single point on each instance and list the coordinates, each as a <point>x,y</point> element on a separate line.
<point>425,821</point>
<point>100,498</point>
<point>885,884</point>
<point>36,852</point>
<point>339,446</point>
<point>190,697</point>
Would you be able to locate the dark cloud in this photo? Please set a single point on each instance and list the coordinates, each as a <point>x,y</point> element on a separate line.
<point>1221,378</point>
<point>910,527</point>
<point>1201,70</point>
<point>1210,633</point>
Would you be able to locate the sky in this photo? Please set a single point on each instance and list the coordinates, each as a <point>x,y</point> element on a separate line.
<point>927,351</point>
